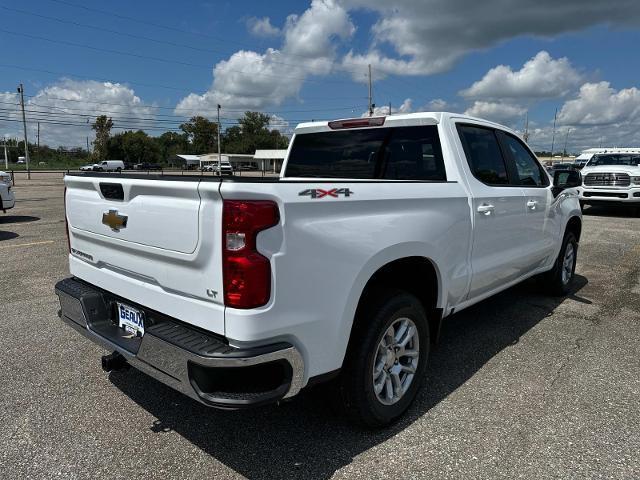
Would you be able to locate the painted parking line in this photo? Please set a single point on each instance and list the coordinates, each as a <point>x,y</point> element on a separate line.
<point>46,242</point>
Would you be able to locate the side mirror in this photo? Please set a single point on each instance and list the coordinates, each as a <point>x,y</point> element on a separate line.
<point>563,179</point>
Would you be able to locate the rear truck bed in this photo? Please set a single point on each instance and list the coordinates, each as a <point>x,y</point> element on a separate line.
<point>152,244</point>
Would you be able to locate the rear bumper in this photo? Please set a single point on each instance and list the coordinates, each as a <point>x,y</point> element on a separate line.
<point>199,364</point>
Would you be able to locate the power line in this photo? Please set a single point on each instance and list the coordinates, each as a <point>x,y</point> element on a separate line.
<point>186,110</point>
<point>133,82</point>
<point>159,59</point>
<point>156,40</point>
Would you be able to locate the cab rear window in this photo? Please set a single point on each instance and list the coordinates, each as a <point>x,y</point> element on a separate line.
<point>395,153</point>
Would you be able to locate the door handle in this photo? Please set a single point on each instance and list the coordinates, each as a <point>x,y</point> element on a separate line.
<point>532,204</point>
<point>486,209</point>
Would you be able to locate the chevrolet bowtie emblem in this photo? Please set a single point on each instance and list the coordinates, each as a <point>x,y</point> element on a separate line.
<point>114,220</point>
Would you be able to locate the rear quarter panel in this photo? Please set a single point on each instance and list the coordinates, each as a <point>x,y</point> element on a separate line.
<point>324,250</point>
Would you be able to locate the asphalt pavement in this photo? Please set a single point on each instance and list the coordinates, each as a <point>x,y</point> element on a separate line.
<point>521,386</point>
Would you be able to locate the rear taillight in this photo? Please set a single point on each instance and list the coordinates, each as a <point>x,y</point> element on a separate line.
<point>247,273</point>
<point>66,221</point>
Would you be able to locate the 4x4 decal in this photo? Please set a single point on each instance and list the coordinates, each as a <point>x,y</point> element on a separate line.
<point>320,193</point>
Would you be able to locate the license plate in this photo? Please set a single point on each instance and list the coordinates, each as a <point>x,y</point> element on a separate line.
<point>131,320</point>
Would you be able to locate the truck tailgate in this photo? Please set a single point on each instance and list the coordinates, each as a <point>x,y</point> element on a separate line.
<point>151,240</point>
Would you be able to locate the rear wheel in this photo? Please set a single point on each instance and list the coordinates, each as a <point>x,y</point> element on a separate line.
<point>558,280</point>
<point>386,360</point>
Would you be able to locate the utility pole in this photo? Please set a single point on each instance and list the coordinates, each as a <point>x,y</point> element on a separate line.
<point>219,149</point>
<point>370,93</point>
<point>88,152</point>
<point>389,108</point>
<point>553,137</point>
<point>24,125</point>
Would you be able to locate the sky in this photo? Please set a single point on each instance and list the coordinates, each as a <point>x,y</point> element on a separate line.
<point>152,65</point>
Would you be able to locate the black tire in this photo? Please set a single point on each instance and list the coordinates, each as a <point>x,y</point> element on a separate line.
<point>119,170</point>
<point>356,383</point>
<point>554,281</point>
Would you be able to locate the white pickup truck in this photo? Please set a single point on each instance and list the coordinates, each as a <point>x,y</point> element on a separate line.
<point>242,291</point>
<point>7,198</point>
<point>612,177</point>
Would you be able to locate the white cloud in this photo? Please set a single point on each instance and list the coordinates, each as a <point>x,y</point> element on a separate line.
<point>504,113</point>
<point>540,77</point>
<point>600,104</point>
<point>429,36</point>
<point>261,27</point>
<point>437,105</point>
<point>9,126</point>
<point>247,80</point>
<point>278,123</point>
<point>77,104</point>
<point>254,80</point>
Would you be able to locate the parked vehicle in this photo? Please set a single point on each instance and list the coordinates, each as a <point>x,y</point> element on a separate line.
<point>559,166</point>
<point>7,198</point>
<point>5,178</point>
<point>109,166</point>
<point>147,166</point>
<point>611,178</point>
<point>242,291</point>
<point>223,167</point>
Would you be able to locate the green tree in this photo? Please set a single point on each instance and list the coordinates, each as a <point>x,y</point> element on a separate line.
<point>172,143</point>
<point>253,133</point>
<point>202,135</point>
<point>102,127</point>
<point>134,147</point>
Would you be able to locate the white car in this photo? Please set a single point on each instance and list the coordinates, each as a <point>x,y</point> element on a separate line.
<point>242,291</point>
<point>88,168</point>
<point>611,178</point>
<point>7,198</point>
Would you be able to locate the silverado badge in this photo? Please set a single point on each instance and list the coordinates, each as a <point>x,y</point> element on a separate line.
<point>114,220</point>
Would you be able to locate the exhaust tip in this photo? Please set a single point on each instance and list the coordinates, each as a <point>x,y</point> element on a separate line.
<point>114,362</point>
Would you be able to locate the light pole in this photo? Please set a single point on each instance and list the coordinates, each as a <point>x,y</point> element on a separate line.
<point>6,156</point>
<point>553,137</point>
<point>219,149</point>
<point>566,139</point>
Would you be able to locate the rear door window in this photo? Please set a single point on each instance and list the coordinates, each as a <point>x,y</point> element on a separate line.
<point>396,153</point>
<point>528,172</point>
<point>483,154</point>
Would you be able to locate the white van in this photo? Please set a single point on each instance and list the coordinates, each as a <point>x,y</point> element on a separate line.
<point>109,166</point>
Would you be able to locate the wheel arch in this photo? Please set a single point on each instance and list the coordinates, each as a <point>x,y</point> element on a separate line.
<point>416,274</point>
<point>574,225</point>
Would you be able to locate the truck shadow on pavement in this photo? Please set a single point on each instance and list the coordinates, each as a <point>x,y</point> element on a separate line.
<point>306,438</point>
<point>7,235</point>
<point>9,219</point>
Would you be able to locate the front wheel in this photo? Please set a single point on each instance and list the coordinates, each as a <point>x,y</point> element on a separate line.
<point>386,360</point>
<point>558,280</point>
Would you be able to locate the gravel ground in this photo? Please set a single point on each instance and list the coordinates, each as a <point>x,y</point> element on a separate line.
<point>521,385</point>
